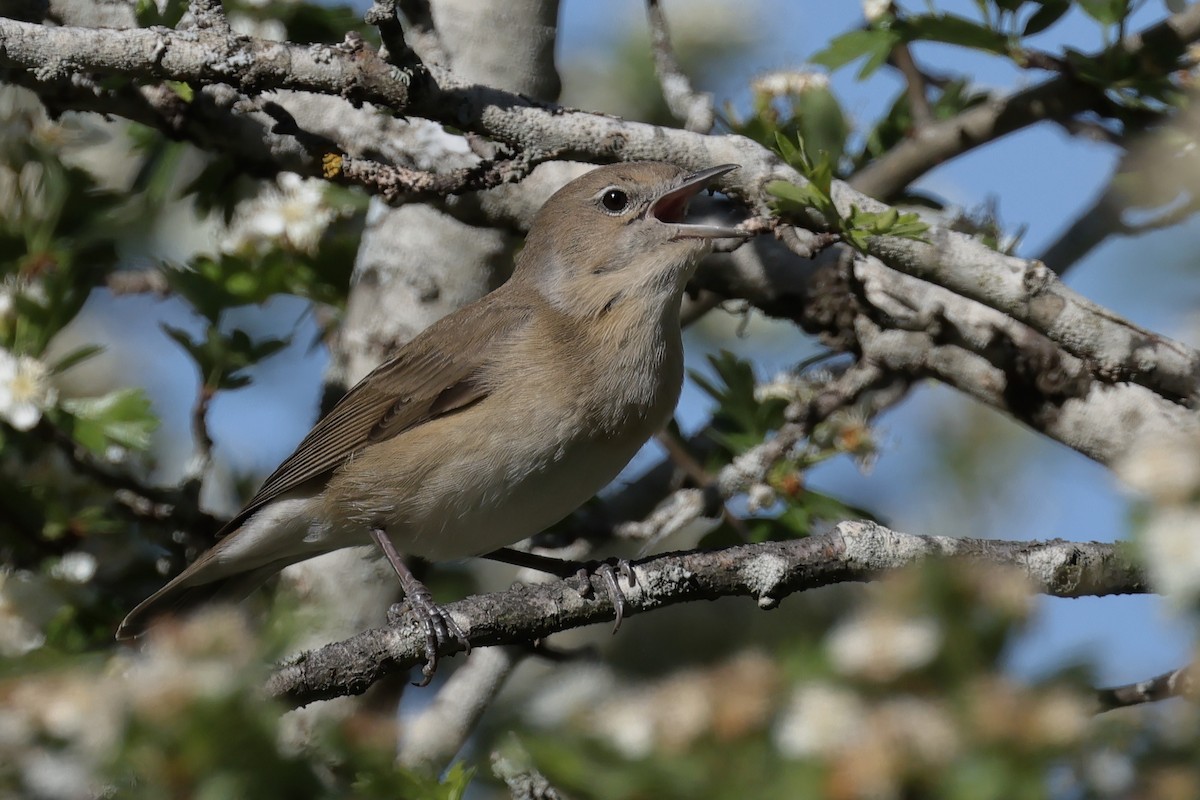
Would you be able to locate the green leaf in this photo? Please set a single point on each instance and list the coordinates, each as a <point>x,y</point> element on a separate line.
<point>148,14</point>
<point>145,11</point>
<point>879,56</point>
<point>223,358</point>
<point>1106,12</point>
<point>852,46</point>
<point>122,417</point>
<point>75,357</point>
<point>740,420</point>
<point>182,89</point>
<point>792,154</point>
<point>1050,13</point>
<point>860,226</point>
<point>822,125</point>
<point>952,29</point>
<point>807,196</point>
<point>184,339</point>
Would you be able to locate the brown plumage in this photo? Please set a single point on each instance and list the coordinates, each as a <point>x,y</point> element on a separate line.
<point>499,419</point>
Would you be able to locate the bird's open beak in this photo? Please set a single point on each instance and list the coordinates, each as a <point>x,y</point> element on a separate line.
<point>671,207</point>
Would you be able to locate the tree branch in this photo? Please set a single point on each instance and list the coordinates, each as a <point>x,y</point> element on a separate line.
<point>1059,98</point>
<point>694,109</point>
<point>1116,350</point>
<point>203,56</point>
<point>767,572</point>
<point>436,735</point>
<point>1176,683</point>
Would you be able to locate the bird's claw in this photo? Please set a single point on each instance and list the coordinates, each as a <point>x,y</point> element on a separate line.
<point>439,628</point>
<point>608,571</point>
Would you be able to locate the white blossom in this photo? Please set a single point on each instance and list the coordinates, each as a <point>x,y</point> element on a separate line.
<point>8,191</point>
<point>784,82</point>
<point>7,300</point>
<point>1060,718</point>
<point>31,184</point>
<point>26,604</point>
<point>921,727</point>
<point>293,213</point>
<point>819,720</point>
<point>760,497</point>
<point>25,390</point>
<point>1172,557</point>
<point>56,775</point>
<point>882,645</point>
<point>262,28</point>
<point>784,386</point>
<point>1110,772</point>
<point>75,567</point>
<point>874,9</point>
<point>627,727</point>
<point>1166,468</point>
<point>23,194</point>
<point>14,286</point>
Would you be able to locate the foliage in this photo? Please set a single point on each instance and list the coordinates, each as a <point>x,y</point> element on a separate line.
<point>142,726</point>
<point>855,228</point>
<point>745,414</point>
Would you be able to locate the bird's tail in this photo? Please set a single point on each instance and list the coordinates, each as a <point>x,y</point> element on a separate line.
<point>193,588</point>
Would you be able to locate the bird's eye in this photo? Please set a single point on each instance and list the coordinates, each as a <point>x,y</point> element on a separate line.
<point>615,200</point>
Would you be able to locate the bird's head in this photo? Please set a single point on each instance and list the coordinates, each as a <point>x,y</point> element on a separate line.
<point>616,233</point>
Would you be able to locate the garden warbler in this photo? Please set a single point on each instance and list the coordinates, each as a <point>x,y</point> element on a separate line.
<point>498,420</point>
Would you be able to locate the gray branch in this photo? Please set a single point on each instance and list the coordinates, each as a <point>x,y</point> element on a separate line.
<point>767,572</point>
<point>1176,683</point>
<point>694,109</point>
<point>1059,98</point>
<point>203,56</point>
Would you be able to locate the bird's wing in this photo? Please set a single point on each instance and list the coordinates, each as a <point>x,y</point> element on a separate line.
<point>423,381</point>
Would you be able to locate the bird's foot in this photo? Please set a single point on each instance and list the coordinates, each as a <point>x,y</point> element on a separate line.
<point>607,570</point>
<point>439,627</point>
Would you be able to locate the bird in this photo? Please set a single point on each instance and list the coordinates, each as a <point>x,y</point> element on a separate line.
<point>498,420</point>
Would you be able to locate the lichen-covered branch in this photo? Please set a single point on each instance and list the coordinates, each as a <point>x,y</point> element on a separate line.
<point>203,56</point>
<point>767,572</point>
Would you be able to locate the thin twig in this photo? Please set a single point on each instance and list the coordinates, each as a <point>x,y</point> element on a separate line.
<point>694,109</point>
<point>512,764</point>
<point>382,14</point>
<point>1060,99</point>
<point>915,85</point>
<point>421,34</point>
<point>1176,683</point>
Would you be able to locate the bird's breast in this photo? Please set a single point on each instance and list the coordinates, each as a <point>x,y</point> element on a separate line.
<point>509,466</point>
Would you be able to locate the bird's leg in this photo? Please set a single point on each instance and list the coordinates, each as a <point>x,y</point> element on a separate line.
<point>607,570</point>
<point>439,626</point>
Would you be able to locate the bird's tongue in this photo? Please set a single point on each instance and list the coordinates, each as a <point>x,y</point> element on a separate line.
<point>672,207</point>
